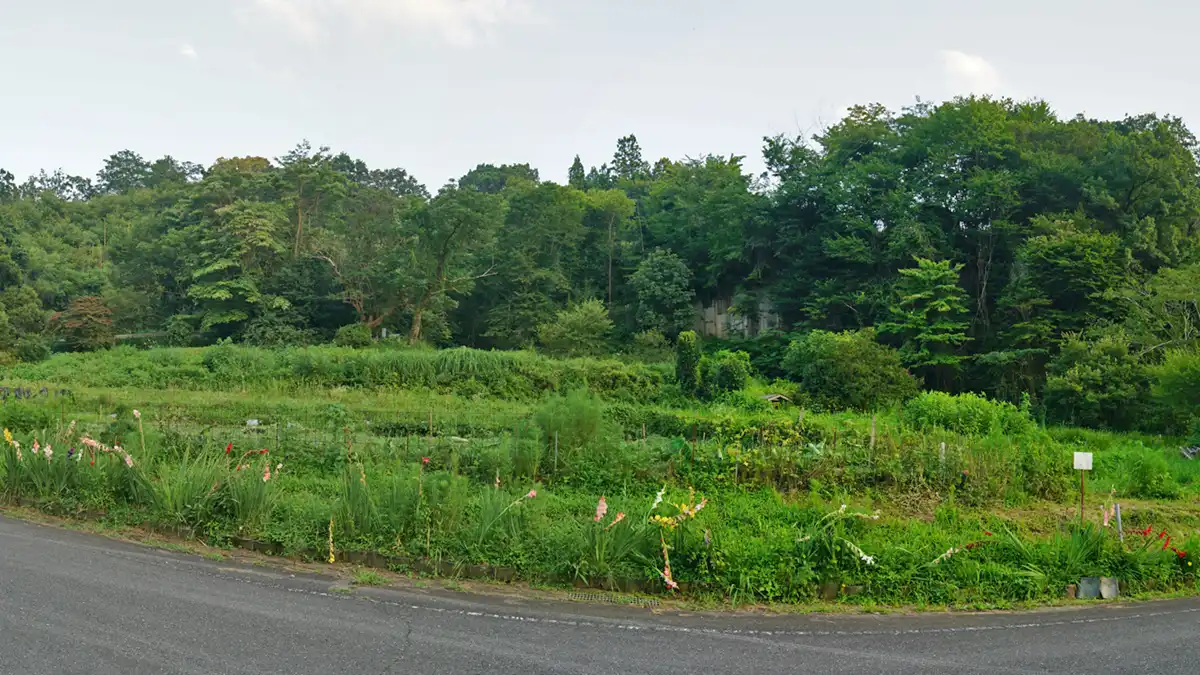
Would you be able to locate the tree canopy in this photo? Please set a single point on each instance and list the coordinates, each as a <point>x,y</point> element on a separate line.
<point>980,237</point>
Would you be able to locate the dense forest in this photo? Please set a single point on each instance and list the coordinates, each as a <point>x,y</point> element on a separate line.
<point>994,246</point>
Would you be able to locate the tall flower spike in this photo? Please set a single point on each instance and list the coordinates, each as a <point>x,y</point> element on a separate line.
<point>601,509</point>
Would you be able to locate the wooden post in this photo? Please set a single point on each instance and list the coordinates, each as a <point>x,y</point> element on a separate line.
<point>872,433</point>
<point>1082,491</point>
<point>556,453</point>
<point>1120,530</point>
<point>695,427</point>
<point>643,437</point>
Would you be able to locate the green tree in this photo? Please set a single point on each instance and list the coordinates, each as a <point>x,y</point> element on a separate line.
<point>930,319</point>
<point>627,163</point>
<point>235,251</point>
<point>372,254</point>
<point>87,324</point>
<point>122,172</point>
<point>1176,388</point>
<point>581,330</point>
<point>8,187</point>
<point>687,362</point>
<point>576,177</point>
<point>663,285</point>
<point>848,371</point>
<point>1099,383</point>
<point>1163,310</point>
<point>313,191</point>
<point>493,179</point>
<point>536,248</point>
<point>452,240</point>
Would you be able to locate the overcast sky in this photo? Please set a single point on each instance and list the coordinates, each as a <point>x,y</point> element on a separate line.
<point>438,86</point>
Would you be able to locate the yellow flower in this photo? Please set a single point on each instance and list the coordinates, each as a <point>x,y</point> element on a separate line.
<point>7,436</point>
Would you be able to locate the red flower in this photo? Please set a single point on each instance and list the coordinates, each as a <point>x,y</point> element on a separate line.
<point>229,448</point>
<point>1146,532</point>
<point>1181,554</point>
<point>1162,534</point>
<point>424,460</point>
<point>987,533</point>
<point>1166,543</point>
<point>263,451</point>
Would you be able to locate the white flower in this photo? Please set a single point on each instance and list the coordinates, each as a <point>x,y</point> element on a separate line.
<point>658,498</point>
<point>870,560</point>
<point>137,415</point>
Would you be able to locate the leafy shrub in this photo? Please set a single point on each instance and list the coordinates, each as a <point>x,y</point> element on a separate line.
<point>1099,384</point>
<point>1148,476</point>
<point>967,414</point>
<point>767,350</point>
<point>724,372</point>
<point>576,426</point>
<point>848,370</point>
<point>651,345</point>
<point>356,335</point>
<point>1177,384</point>
<point>663,285</point>
<point>275,329</point>
<point>33,349</point>
<point>581,330</point>
<point>180,331</point>
<point>687,362</point>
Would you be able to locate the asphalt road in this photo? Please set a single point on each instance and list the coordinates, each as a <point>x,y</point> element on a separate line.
<point>75,603</point>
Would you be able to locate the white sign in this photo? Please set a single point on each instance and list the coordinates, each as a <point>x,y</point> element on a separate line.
<point>1083,461</point>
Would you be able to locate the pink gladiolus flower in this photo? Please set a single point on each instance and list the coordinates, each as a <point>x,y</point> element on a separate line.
<point>48,452</point>
<point>666,576</point>
<point>619,518</point>
<point>601,509</point>
<point>267,473</point>
<point>129,461</point>
<point>36,447</point>
<point>531,495</point>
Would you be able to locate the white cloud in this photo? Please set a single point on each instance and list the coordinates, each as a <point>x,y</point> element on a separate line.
<point>188,52</point>
<point>459,22</point>
<point>971,72</point>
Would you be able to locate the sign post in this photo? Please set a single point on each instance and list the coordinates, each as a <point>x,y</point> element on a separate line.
<point>1083,463</point>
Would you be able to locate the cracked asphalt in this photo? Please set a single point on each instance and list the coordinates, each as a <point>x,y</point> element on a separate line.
<point>73,603</point>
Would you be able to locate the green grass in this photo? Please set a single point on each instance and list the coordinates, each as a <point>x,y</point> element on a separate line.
<point>368,460</point>
<point>366,577</point>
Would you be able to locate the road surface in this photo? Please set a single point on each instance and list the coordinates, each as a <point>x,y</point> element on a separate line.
<point>76,603</point>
